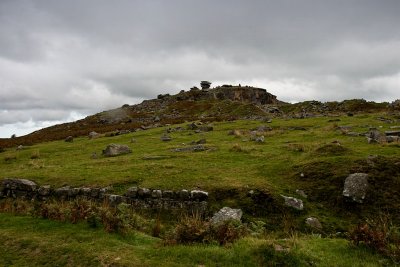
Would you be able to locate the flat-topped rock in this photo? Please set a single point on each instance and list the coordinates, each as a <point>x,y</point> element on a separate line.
<point>113,150</point>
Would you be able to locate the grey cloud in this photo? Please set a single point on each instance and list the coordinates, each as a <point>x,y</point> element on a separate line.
<point>87,56</point>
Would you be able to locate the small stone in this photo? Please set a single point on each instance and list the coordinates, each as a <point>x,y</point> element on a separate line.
<point>69,139</point>
<point>156,194</point>
<point>184,194</point>
<point>116,150</point>
<point>168,194</point>
<point>260,139</point>
<point>226,214</point>
<point>144,192</point>
<point>301,193</point>
<point>44,190</point>
<point>132,192</point>
<point>313,222</point>
<point>199,195</point>
<point>165,138</point>
<point>293,202</point>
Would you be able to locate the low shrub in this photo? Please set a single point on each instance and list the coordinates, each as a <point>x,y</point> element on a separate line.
<point>378,234</point>
<point>195,229</point>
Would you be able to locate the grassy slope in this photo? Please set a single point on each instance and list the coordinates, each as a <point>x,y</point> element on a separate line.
<point>36,242</point>
<point>265,165</point>
<point>273,166</point>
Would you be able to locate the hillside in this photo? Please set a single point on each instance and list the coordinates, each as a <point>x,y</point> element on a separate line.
<point>217,104</point>
<point>243,154</point>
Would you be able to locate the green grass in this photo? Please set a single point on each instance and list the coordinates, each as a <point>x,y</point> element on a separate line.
<point>232,167</point>
<point>273,166</point>
<point>36,242</point>
<point>266,165</point>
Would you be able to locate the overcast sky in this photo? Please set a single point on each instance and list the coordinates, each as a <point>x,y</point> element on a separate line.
<point>63,60</point>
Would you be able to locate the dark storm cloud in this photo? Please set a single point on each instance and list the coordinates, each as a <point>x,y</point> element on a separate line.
<point>80,57</point>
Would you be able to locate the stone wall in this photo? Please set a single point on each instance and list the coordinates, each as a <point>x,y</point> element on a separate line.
<point>140,198</point>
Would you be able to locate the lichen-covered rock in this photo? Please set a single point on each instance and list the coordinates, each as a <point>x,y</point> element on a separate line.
<point>62,192</point>
<point>69,139</point>
<point>313,223</point>
<point>132,192</point>
<point>156,194</point>
<point>115,150</point>
<point>199,195</point>
<point>93,135</point>
<point>356,186</point>
<point>226,214</point>
<point>44,190</point>
<point>114,200</point>
<point>19,184</point>
<point>184,194</point>
<point>144,193</point>
<point>293,202</point>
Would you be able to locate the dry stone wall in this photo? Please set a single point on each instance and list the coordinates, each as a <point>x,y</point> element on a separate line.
<point>140,198</point>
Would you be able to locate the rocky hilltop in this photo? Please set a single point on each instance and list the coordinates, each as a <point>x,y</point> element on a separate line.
<point>226,102</point>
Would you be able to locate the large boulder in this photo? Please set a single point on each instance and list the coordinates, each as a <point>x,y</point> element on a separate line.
<point>115,150</point>
<point>356,186</point>
<point>226,214</point>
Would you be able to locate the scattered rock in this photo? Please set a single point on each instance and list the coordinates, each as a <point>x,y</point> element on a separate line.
<point>132,192</point>
<point>115,150</point>
<point>392,133</point>
<point>199,142</point>
<point>195,148</point>
<point>144,193</point>
<point>263,128</point>
<point>20,147</point>
<point>184,194</point>
<point>226,214</point>
<point>235,132</point>
<point>94,155</point>
<point>69,139</point>
<point>313,223</point>
<point>192,126</point>
<point>206,128</point>
<point>166,138</point>
<point>260,139</point>
<point>198,195</point>
<point>156,193</point>
<point>356,186</point>
<point>93,135</point>
<point>374,136</point>
<point>391,139</point>
<point>114,200</point>
<point>62,192</point>
<point>44,190</point>
<point>293,202</point>
<point>301,192</point>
